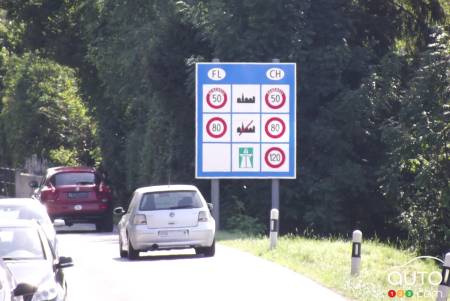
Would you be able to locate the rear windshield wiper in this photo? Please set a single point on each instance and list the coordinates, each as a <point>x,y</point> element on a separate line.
<point>8,258</point>
<point>182,207</point>
<point>84,183</point>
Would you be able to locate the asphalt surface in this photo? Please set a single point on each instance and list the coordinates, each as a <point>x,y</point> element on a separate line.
<point>100,274</point>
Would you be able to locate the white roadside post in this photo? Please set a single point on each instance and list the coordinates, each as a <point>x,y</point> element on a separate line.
<point>356,252</point>
<point>444,287</point>
<point>274,215</point>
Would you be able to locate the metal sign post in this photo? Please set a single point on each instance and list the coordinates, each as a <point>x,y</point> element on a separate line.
<point>275,199</point>
<point>215,198</point>
<point>215,191</point>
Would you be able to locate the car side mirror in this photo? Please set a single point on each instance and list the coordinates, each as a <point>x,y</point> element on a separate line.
<point>24,289</point>
<point>59,223</point>
<point>33,184</point>
<point>64,262</point>
<point>118,211</point>
<point>210,206</point>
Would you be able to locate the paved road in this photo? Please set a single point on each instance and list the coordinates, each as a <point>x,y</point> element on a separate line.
<point>99,274</point>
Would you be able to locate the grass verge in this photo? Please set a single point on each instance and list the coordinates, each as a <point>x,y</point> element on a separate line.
<point>327,261</point>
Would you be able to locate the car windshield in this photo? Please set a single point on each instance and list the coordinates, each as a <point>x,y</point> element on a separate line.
<point>17,243</point>
<point>169,200</point>
<point>23,212</point>
<point>74,178</point>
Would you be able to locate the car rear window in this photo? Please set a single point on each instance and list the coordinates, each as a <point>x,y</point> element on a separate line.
<point>170,200</point>
<point>74,178</point>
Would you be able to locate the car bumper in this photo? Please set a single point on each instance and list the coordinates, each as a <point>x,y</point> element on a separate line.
<point>86,218</point>
<point>146,239</point>
<point>84,212</point>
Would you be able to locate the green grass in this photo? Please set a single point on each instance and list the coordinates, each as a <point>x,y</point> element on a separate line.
<point>327,261</point>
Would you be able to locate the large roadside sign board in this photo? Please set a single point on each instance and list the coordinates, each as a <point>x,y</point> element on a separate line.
<point>246,120</point>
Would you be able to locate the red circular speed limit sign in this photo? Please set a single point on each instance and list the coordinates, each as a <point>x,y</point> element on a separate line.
<point>216,127</point>
<point>275,127</point>
<point>216,98</point>
<point>275,98</point>
<point>274,157</point>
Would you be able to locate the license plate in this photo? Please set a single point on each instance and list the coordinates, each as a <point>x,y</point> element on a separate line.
<point>78,195</point>
<point>173,233</point>
<point>77,207</point>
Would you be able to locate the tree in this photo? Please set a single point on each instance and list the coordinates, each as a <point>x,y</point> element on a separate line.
<point>416,173</point>
<point>358,69</point>
<point>43,114</point>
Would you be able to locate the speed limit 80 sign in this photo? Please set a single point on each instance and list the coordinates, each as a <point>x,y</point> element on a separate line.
<point>245,120</point>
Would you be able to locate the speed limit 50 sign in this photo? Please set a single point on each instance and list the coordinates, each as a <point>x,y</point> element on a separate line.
<point>246,120</point>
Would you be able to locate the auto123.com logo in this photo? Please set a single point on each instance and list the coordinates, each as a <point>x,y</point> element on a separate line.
<point>406,282</point>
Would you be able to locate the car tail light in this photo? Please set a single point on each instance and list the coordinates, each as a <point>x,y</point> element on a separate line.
<point>203,216</point>
<point>48,194</point>
<point>140,219</point>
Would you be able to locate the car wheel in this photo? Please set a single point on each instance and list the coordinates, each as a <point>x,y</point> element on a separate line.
<point>123,253</point>
<point>132,253</point>
<point>207,251</point>
<point>106,224</point>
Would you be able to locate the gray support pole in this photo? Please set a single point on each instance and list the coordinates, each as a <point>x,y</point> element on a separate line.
<point>215,188</point>
<point>273,228</point>
<point>276,194</point>
<point>215,197</point>
<point>275,203</point>
<point>444,287</point>
<point>356,252</point>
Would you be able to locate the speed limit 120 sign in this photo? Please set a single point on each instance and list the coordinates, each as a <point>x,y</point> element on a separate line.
<point>274,157</point>
<point>245,120</point>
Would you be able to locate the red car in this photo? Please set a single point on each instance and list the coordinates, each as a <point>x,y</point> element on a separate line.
<point>76,195</point>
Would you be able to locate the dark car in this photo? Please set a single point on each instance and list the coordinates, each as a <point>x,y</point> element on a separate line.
<point>9,289</point>
<point>27,252</point>
<point>76,195</point>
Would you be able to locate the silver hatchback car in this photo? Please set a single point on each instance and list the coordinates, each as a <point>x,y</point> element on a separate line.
<point>166,217</point>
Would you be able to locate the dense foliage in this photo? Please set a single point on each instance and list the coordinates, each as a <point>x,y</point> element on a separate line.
<point>373,101</point>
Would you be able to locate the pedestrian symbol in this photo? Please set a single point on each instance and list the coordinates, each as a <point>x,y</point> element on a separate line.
<point>246,157</point>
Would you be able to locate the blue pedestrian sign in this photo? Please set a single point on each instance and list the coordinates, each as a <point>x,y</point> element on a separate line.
<point>246,120</point>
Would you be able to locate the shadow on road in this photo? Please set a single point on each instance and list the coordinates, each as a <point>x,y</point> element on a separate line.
<point>78,232</point>
<point>160,257</point>
<point>78,229</point>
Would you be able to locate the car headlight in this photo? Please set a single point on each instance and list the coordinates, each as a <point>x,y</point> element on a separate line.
<point>47,291</point>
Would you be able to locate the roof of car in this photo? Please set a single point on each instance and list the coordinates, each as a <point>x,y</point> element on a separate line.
<point>58,169</point>
<point>20,201</point>
<point>160,188</point>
